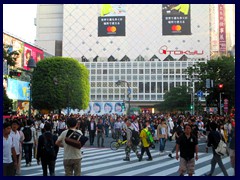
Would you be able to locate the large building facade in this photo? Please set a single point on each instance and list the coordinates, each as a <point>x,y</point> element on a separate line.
<point>147,45</point>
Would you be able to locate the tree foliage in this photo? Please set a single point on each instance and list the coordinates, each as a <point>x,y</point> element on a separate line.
<point>7,103</point>
<point>221,71</point>
<point>177,99</point>
<point>60,82</point>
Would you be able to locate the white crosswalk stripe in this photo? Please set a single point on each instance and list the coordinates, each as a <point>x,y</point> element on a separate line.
<point>105,162</point>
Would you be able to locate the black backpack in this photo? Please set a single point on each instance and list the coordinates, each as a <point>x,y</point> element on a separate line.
<point>135,137</point>
<point>27,134</point>
<point>48,145</point>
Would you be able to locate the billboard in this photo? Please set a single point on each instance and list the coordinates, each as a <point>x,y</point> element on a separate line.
<point>111,20</point>
<point>14,45</point>
<point>18,90</point>
<point>176,19</point>
<point>100,108</point>
<point>37,55</point>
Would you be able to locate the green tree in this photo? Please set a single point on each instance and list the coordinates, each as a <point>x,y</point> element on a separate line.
<point>177,99</point>
<point>60,82</point>
<point>221,71</point>
<point>7,103</point>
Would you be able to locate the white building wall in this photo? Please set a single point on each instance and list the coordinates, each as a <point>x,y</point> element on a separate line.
<point>143,33</point>
<point>49,25</point>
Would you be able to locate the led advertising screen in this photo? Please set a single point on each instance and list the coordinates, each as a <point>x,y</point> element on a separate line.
<point>111,20</point>
<point>14,45</point>
<point>29,51</point>
<point>176,19</point>
<point>18,90</point>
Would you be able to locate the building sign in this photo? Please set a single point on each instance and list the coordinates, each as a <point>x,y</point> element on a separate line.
<point>29,51</point>
<point>164,50</point>
<point>18,90</point>
<point>222,29</point>
<point>111,21</point>
<point>176,19</point>
<point>14,45</point>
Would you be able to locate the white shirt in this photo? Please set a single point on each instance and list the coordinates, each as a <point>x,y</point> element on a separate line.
<point>7,149</point>
<point>135,126</point>
<point>69,151</point>
<point>16,141</point>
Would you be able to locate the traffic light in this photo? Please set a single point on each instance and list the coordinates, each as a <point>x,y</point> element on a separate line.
<point>191,107</point>
<point>123,106</point>
<point>15,73</point>
<point>220,86</point>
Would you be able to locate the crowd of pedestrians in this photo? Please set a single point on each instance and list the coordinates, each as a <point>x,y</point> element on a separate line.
<point>185,129</point>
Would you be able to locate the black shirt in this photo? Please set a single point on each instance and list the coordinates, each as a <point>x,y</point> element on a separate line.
<point>187,146</point>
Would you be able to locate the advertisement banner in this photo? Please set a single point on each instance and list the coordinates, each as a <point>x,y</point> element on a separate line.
<point>111,20</point>
<point>176,19</point>
<point>29,51</point>
<point>18,90</point>
<point>14,45</point>
<point>222,28</point>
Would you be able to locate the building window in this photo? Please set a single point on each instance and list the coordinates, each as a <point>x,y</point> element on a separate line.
<point>135,71</point>
<point>165,87</point>
<point>147,71</point>
<point>153,87</point>
<point>153,71</point>
<point>99,71</point>
<point>165,71</point>
<point>93,71</point>
<point>104,71</point>
<point>116,97</point>
<point>159,87</point>
<point>140,71</point>
<point>110,97</point>
<point>147,87</point>
<point>171,71</point>
<point>140,87</point>
<point>98,97</point>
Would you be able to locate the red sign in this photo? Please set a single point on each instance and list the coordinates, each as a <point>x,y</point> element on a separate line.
<point>222,28</point>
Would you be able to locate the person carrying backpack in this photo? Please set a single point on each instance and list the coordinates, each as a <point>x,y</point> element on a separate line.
<point>132,141</point>
<point>47,150</point>
<point>28,142</point>
<point>145,143</point>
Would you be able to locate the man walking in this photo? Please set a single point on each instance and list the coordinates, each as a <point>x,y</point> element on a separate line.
<point>47,150</point>
<point>72,156</point>
<point>213,138</point>
<point>9,153</point>
<point>145,143</point>
<point>130,145</point>
<point>188,145</point>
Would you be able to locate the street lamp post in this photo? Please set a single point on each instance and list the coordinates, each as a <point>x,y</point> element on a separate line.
<point>118,83</point>
<point>31,64</point>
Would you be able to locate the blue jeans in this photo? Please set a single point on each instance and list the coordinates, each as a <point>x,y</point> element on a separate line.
<point>162,142</point>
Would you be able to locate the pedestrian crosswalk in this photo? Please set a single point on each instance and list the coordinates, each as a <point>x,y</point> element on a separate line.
<point>105,162</point>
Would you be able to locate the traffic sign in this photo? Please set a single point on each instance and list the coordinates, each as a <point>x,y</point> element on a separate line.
<point>199,93</point>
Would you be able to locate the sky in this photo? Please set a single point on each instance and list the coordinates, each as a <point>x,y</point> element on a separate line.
<point>18,20</point>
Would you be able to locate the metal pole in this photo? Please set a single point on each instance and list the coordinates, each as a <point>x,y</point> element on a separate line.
<point>193,98</point>
<point>220,99</point>
<point>30,98</point>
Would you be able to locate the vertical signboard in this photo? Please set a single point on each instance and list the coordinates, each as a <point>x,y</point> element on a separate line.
<point>14,45</point>
<point>222,28</point>
<point>214,28</point>
<point>176,19</point>
<point>111,21</point>
<point>29,51</point>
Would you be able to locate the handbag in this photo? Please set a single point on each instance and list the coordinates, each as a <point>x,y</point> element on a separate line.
<point>75,139</point>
